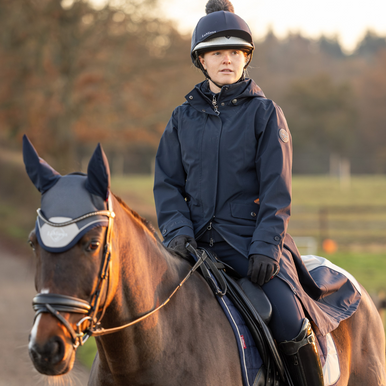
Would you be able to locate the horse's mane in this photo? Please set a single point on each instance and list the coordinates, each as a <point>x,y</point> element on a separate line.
<point>145,222</point>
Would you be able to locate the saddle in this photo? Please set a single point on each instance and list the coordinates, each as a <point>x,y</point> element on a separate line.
<point>256,310</point>
<point>254,306</point>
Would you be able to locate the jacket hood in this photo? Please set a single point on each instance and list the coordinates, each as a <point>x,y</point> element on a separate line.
<point>201,96</point>
<point>243,89</point>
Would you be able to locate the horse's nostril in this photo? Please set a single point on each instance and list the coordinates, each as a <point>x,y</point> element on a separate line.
<point>50,353</point>
<point>34,355</point>
<point>57,350</point>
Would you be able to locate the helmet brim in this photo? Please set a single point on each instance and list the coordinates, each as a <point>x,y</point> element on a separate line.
<point>223,42</point>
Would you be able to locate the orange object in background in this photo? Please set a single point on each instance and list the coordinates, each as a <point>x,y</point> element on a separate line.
<point>329,246</point>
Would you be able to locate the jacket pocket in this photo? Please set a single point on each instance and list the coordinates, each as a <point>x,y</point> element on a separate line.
<point>244,211</point>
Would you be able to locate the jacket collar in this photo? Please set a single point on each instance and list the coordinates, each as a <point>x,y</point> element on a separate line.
<point>201,97</point>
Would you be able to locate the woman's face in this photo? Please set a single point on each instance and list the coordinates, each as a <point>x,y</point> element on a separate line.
<point>224,66</point>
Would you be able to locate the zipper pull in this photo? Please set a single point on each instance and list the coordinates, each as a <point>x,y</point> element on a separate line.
<point>209,226</point>
<point>215,107</point>
<point>211,242</point>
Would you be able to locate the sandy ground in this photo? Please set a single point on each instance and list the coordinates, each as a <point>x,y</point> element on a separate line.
<point>16,317</point>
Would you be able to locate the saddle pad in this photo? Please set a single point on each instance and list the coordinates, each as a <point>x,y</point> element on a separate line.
<point>331,369</point>
<point>326,346</point>
<point>313,262</point>
<point>329,358</point>
<point>250,358</point>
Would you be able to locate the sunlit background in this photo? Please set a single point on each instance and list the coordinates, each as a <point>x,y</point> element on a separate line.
<point>347,20</point>
<point>75,73</point>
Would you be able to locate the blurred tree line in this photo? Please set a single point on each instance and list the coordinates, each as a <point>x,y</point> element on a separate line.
<point>335,103</point>
<point>72,75</point>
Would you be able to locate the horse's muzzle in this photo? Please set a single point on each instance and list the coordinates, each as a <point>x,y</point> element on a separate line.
<point>46,358</point>
<point>51,352</point>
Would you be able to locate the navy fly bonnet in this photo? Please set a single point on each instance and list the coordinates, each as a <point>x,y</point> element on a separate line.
<point>68,198</point>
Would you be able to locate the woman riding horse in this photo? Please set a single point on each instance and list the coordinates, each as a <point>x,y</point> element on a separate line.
<point>223,182</point>
<point>101,271</point>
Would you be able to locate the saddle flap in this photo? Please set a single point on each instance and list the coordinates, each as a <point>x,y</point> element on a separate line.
<point>257,297</point>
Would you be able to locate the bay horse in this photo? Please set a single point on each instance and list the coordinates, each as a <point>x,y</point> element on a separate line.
<point>118,282</point>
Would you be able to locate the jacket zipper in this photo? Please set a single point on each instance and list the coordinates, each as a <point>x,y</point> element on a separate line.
<point>211,241</point>
<point>204,229</point>
<point>215,106</point>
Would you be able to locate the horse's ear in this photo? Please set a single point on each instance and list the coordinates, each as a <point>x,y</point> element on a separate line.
<point>98,174</point>
<point>43,176</point>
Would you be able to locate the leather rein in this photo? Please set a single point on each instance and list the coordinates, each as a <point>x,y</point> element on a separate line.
<point>91,323</point>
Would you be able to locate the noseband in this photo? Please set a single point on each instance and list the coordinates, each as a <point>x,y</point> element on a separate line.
<point>56,303</point>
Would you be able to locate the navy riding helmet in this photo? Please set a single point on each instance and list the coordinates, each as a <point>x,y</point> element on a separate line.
<point>220,29</point>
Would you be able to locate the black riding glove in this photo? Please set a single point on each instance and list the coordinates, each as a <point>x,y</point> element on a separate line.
<point>262,269</point>
<point>178,244</point>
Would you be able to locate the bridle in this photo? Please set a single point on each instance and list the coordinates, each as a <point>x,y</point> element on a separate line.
<point>56,303</point>
<point>90,324</point>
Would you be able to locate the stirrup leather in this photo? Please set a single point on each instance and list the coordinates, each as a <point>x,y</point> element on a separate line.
<point>302,358</point>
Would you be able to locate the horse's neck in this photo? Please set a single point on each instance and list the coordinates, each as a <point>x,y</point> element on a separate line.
<point>143,265</point>
<point>148,275</point>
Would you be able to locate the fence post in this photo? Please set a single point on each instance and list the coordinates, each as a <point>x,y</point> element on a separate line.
<point>323,225</point>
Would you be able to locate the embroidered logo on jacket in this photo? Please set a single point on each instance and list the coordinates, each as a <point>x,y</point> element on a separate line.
<point>283,135</point>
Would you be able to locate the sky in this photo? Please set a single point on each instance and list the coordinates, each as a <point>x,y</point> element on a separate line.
<point>346,19</point>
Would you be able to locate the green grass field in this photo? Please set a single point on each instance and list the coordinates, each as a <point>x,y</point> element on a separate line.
<point>353,214</point>
<point>361,210</point>
<point>309,191</point>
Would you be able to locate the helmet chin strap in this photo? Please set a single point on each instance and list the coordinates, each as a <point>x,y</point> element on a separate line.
<point>208,77</point>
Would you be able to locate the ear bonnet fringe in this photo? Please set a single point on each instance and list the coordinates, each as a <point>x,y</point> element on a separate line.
<point>219,5</point>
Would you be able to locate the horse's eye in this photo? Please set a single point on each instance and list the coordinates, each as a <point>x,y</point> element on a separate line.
<point>94,245</point>
<point>31,244</point>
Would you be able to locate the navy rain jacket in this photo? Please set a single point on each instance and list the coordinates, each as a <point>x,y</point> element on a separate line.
<point>233,170</point>
<point>230,169</point>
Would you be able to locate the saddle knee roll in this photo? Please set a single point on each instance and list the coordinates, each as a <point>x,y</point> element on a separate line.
<point>258,298</point>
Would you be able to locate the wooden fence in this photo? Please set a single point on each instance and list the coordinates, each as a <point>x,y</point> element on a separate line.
<point>351,228</point>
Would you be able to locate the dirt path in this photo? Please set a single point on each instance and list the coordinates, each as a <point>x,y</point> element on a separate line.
<point>16,316</point>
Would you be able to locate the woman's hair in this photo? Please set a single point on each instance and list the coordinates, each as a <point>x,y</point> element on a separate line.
<point>219,5</point>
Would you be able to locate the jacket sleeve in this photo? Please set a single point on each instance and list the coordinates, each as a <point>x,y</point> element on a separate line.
<point>274,171</point>
<point>169,186</point>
